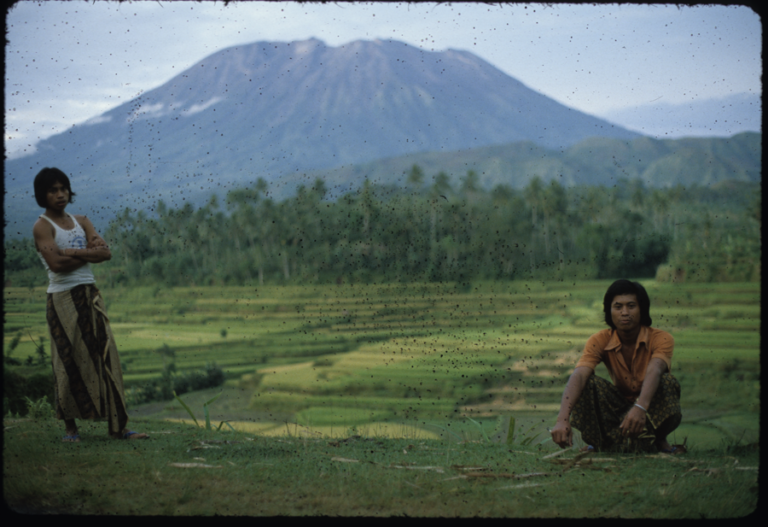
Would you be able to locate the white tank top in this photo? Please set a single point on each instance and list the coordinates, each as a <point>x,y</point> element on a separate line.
<point>68,239</point>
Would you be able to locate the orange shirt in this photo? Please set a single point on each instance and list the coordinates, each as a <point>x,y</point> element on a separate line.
<point>628,378</point>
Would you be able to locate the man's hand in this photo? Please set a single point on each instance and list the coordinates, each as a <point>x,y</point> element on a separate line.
<point>96,242</point>
<point>562,434</point>
<point>634,423</point>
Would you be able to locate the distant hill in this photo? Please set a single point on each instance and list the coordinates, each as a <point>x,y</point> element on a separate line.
<point>722,117</point>
<point>272,108</point>
<point>596,161</point>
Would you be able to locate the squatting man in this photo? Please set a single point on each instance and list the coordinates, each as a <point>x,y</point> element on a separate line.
<point>642,406</point>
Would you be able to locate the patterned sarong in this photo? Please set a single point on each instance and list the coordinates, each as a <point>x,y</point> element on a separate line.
<point>86,368</point>
<point>601,409</point>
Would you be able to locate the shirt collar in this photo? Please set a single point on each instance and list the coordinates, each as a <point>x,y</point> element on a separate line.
<point>614,344</point>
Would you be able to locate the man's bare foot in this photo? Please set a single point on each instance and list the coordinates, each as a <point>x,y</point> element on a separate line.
<point>666,448</point>
<point>129,434</point>
<point>70,427</point>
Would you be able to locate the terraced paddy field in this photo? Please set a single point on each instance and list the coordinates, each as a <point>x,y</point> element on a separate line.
<point>449,361</point>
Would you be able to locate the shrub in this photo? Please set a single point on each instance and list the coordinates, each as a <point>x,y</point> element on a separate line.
<point>162,388</point>
<point>17,388</point>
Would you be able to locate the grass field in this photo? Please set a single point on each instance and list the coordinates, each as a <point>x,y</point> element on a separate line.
<point>183,470</point>
<point>385,400</point>
<point>419,356</point>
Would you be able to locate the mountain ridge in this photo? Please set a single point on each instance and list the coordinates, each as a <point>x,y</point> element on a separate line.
<point>272,109</point>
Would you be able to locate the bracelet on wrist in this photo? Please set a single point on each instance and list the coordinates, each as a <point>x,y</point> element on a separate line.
<point>643,409</point>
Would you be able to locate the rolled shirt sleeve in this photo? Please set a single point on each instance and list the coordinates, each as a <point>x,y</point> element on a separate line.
<point>594,349</point>
<point>662,344</point>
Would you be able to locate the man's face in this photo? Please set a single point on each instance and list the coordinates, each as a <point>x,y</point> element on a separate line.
<point>57,196</point>
<point>625,312</point>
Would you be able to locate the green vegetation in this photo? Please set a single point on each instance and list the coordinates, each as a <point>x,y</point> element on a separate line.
<point>665,163</point>
<point>432,232</point>
<point>205,411</point>
<point>427,356</point>
<point>330,388</point>
<point>170,382</point>
<point>184,470</point>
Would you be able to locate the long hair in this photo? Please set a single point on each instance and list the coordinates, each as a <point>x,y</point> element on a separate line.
<point>625,287</point>
<point>45,179</point>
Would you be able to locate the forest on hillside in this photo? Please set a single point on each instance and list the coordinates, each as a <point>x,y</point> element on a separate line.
<point>431,231</point>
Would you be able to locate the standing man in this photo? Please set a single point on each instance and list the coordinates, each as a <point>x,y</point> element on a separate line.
<point>88,380</point>
<point>642,406</point>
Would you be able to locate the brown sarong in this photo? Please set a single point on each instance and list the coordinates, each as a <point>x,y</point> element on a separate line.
<point>601,409</point>
<point>86,368</point>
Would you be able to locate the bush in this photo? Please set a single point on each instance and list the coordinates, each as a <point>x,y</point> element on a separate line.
<point>17,388</point>
<point>162,388</point>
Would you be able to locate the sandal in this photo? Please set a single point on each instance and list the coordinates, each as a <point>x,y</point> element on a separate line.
<point>130,433</point>
<point>676,449</point>
<point>71,439</point>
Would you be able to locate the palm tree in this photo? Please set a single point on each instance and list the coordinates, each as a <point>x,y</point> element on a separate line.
<point>553,207</point>
<point>532,195</point>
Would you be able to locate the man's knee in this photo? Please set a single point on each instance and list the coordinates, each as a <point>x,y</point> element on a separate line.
<point>669,383</point>
<point>669,425</point>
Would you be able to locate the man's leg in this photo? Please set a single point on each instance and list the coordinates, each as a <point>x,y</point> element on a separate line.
<point>599,412</point>
<point>71,429</point>
<point>664,415</point>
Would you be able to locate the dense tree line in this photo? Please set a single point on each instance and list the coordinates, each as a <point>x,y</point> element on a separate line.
<point>430,231</point>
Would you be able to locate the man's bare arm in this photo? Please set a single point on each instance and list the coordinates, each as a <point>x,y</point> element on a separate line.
<point>93,254</point>
<point>562,434</point>
<point>97,250</point>
<point>634,421</point>
<point>45,243</point>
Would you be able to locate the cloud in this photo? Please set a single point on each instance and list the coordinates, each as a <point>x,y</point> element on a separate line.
<point>195,108</point>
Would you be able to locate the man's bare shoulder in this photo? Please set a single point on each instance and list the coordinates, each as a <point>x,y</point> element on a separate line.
<point>41,227</point>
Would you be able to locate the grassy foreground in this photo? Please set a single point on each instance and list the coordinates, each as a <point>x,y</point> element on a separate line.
<point>183,470</point>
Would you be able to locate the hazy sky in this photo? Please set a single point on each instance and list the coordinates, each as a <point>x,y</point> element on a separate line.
<point>69,61</point>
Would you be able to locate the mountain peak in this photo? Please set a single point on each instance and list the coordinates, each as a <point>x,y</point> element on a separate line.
<point>268,109</point>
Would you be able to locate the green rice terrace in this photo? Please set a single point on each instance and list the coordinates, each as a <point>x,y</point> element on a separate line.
<point>345,383</point>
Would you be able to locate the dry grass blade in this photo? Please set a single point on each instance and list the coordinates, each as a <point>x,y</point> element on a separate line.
<point>746,468</point>
<point>560,453</point>
<point>525,485</point>
<point>532,475</point>
<point>436,469</point>
<point>466,467</point>
<point>707,471</point>
<point>582,455</point>
<point>344,460</point>
<point>484,475</point>
<point>193,465</point>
